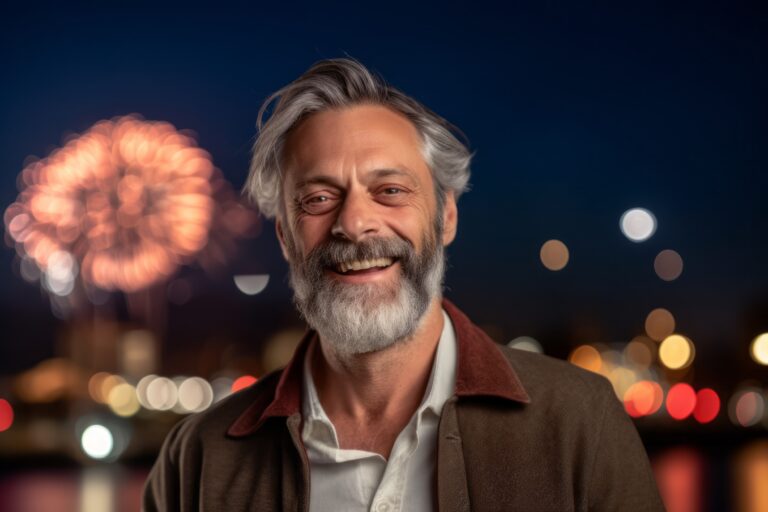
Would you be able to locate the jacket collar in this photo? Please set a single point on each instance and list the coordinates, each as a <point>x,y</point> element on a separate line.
<point>482,371</point>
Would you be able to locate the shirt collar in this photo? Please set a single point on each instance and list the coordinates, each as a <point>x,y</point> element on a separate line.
<point>442,378</point>
<point>481,371</point>
<point>440,384</point>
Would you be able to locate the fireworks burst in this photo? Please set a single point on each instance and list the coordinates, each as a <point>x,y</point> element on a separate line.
<point>123,204</point>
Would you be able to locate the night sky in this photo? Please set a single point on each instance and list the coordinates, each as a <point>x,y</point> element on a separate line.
<point>575,114</point>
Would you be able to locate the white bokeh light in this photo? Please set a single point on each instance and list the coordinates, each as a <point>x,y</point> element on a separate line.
<point>59,277</point>
<point>251,284</point>
<point>141,390</point>
<point>195,394</point>
<point>161,394</point>
<point>97,441</point>
<point>526,343</point>
<point>638,224</point>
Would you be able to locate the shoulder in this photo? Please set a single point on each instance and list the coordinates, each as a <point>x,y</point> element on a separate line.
<point>559,385</point>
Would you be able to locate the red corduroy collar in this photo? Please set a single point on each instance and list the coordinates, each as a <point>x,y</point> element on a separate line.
<point>482,370</point>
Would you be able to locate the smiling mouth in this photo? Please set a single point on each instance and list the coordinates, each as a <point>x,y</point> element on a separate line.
<point>355,267</point>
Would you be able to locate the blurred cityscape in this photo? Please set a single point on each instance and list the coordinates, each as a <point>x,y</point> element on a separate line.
<point>102,226</point>
<point>617,220</point>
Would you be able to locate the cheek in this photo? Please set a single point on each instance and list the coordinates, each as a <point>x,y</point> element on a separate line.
<point>415,226</point>
<point>310,231</point>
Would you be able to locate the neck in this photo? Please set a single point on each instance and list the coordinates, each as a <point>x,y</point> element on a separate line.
<point>387,385</point>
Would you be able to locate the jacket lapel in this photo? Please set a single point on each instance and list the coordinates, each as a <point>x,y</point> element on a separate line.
<point>452,494</point>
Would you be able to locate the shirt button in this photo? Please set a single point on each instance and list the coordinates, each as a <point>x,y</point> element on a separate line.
<point>383,506</point>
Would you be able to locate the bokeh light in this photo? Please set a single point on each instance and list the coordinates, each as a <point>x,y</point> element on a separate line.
<point>587,357</point>
<point>676,352</point>
<point>659,324</point>
<point>60,274</point>
<point>707,405</point>
<point>141,390</point>
<point>554,255</point>
<point>6,415</point>
<point>122,400</point>
<point>643,398</point>
<point>527,344</point>
<point>97,441</point>
<point>746,408</point>
<point>161,394</point>
<point>243,382</point>
<point>95,384</point>
<point>621,379</point>
<point>107,385</point>
<point>668,265</point>
<point>759,349</point>
<point>251,284</point>
<point>638,224</point>
<point>681,401</point>
<point>640,352</point>
<point>195,394</point>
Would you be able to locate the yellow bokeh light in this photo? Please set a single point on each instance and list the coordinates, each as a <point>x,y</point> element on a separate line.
<point>676,352</point>
<point>587,357</point>
<point>759,349</point>
<point>122,400</point>
<point>622,379</point>
<point>107,384</point>
<point>659,324</point>
<point>554,255</point>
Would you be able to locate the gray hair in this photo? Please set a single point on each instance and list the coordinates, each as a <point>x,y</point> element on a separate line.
<point>338,83</point>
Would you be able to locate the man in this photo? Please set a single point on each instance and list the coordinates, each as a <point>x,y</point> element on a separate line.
<point>394,400</point>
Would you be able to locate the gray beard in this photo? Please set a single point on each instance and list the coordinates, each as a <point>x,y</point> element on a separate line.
<point>356,319</point>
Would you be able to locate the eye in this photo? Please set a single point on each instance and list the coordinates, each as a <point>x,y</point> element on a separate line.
<point>318,204</point>
<point>391,195</point>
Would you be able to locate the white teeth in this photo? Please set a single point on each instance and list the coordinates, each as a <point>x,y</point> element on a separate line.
<point>364,264</point>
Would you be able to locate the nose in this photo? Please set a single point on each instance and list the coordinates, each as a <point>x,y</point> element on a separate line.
<point>357,218</point>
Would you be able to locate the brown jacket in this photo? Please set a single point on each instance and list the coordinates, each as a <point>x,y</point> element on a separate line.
<point>523,432</point>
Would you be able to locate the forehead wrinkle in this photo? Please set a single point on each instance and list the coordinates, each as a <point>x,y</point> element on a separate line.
<point>369,176</point>
<point>321,179</point>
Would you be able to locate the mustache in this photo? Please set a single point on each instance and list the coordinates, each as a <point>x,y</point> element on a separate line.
<point>334,251</point>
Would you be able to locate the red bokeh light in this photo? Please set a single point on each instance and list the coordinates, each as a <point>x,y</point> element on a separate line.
<point>6,415</point>
<point>681,401</point>
<point>243,382</point>
<point>707,405</point>
<point>643,398</point>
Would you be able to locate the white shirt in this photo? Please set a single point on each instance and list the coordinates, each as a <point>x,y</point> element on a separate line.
<point>357,480</point>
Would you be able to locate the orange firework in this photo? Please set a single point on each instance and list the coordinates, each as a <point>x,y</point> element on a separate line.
<point>127,202</point>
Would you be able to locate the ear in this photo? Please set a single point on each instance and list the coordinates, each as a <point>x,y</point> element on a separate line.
<point>450,218</point>
<point>281,237</point>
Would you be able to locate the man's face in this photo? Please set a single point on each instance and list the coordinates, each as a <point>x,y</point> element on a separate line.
<point>361,228</point>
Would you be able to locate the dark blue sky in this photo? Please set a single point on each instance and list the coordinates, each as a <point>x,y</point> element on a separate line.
<point>575,113</point>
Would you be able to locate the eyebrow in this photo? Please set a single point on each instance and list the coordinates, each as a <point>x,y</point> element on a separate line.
<point>324,179</point>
